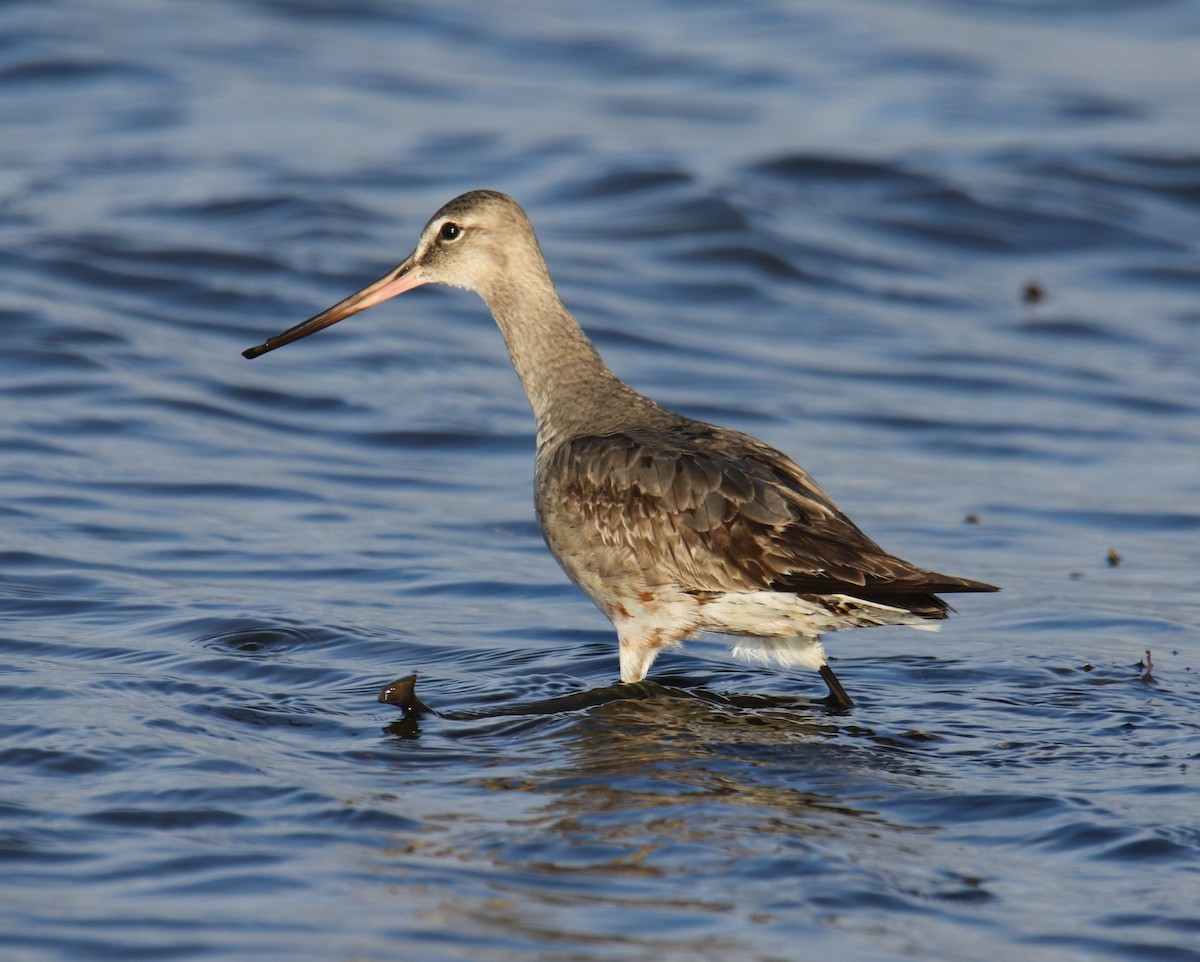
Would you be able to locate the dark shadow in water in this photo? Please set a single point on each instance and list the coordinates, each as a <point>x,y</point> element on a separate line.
<point>402,693</point>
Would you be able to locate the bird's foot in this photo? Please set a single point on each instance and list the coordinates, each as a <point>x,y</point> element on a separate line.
<point>403,694</point>
<point>837,699</point>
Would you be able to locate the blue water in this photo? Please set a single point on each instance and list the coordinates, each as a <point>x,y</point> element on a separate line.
<point>812,221</point>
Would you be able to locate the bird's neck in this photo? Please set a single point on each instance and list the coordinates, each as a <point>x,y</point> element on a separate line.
<point>570,388</point>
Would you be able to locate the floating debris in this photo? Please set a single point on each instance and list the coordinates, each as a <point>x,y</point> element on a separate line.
<point>1033,293</point>
<point>1114,559</point>
<point>1148,665</point>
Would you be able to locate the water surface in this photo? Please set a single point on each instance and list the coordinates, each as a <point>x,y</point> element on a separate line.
<point>820,223</point>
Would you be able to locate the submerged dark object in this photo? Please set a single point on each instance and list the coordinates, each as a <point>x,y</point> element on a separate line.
<point>402,693</point>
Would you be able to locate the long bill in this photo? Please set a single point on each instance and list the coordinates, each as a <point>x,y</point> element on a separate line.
<point>403,278</point>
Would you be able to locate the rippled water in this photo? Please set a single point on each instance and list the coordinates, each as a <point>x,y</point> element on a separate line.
<point>945,253</point>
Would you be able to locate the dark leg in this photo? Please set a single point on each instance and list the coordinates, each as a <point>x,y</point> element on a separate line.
<point>403,694</point>
<point>837,694</point>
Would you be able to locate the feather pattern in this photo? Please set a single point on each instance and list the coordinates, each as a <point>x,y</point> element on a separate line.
<point>711,510</point>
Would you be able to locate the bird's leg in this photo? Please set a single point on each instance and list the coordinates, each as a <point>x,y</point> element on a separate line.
<point>636,656</point>
<point>837,694</point>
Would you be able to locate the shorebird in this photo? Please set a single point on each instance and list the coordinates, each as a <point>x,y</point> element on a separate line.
<point>670,525</point>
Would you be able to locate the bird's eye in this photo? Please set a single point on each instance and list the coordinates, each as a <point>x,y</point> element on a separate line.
<point>450,231</point>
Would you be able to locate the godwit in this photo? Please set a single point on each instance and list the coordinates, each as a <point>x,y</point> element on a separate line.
<point>671,526</point>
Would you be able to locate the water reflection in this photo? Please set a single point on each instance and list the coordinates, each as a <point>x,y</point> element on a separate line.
<point>742,807</point>
<point>656,766</point>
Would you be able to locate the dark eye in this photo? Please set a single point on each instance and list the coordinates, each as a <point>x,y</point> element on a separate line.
<point>450,231</point>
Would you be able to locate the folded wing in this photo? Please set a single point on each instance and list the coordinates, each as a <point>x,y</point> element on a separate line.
<point>715,510</point>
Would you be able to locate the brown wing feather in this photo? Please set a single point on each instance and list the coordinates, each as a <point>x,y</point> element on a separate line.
<point>721,511</point>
